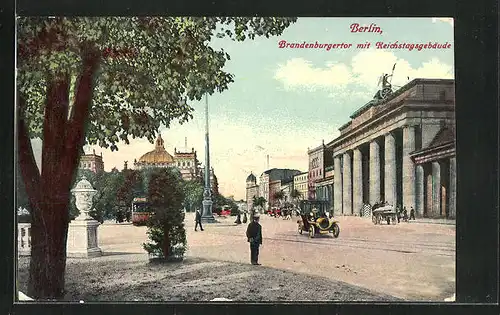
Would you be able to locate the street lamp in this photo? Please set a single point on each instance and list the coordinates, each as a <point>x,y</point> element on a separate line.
<point>207,215</point>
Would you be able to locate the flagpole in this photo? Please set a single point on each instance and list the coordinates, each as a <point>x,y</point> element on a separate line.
<point>392,73</point>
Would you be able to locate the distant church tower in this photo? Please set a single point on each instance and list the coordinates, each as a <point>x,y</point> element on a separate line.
<point>252,190</point>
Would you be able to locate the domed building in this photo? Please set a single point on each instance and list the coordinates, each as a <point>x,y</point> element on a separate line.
<point>186,162</point>
<point>252,190</point>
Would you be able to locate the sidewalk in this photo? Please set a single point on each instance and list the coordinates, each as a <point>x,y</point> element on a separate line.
<point>427,221</point>
<point>434,221</point>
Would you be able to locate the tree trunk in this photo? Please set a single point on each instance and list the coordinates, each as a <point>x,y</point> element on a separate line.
<point>49,193</point>
<point>48,251</point>
<point>49,223</point>
<point>166,241</point>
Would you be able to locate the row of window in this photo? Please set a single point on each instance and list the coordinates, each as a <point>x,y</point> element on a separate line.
<point>300,178</point>
<point>86,165</point>
<point>315,173</point>
<point>314,162</point>
<point>301,186</point>
<point>184,164</point>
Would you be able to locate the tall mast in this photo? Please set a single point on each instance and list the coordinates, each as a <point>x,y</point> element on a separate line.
<point>207,215</point>
<point>207,148</point>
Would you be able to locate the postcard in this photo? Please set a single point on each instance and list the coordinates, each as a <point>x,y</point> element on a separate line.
<point>236,159</point>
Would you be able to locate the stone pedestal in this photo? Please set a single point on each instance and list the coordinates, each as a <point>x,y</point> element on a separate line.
<point>82,232</point>
<point>82,239</point>
<point>408,168</point>
<point>374,172</point>
<point>337,187</point>
<point>390,170</point>
<point>347,185</point>
<point>207,216</point>
<point>357,181</point>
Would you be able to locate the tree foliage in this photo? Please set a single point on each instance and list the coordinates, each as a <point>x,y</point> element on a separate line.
<point>166,227</point>
<point>279,195</point>
<point>105,202</point>
<point>147,67</point>
<point>99,80</point>
<point>193,191</point>
<point>258,205</point>
<point>259,201</point>
<point>295,195</point>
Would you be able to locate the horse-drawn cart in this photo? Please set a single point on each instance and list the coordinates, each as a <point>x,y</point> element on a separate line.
<point>385,213</point>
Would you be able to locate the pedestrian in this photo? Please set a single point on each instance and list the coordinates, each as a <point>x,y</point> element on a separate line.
<point>244,217</point>
<point>412,214</point>
<point>254,237</point>
<point>238,219</point>
<point>405,214</point>
<point>197,219</point>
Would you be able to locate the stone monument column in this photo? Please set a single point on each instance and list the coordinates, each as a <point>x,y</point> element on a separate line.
<point>347,185</point>
<point>82,232</point>
<point>357,182</point>
<point>436,189</point>
<point>337,186</point>
<point>374,172</point>
<point>390,169</point>
<point>453,188</point>
<point>408,168</point>
<point>419,191</point>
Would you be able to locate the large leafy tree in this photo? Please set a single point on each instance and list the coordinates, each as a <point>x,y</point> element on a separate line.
<point>102,80</point>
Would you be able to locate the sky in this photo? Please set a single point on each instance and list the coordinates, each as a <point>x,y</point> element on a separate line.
<point>286,100</point>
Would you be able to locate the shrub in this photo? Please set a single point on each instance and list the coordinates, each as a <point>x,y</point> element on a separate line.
<point>166,226</point>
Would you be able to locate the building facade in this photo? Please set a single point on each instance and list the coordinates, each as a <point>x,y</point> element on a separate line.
<point>324,187</point>
<point>319,158</point>
<point>272,175</point>
<point>300,183</point>
<point>389,151</point>
<point>252,190</point>
<point>435,180</point>
<point>92,162</point>
<point>287,188</point>
<point>186,162</point>
<point>264,188</point>
<point>274,187</point>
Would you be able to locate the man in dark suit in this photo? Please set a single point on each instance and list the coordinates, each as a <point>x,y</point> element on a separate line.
<point>254,236</point>
<point>198,220</point>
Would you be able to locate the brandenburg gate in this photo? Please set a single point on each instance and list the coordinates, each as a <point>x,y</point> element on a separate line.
<point>400,150</point>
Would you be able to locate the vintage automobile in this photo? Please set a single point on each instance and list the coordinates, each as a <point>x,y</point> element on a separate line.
<point>315,219</point>
<point>226,211</point>
<point>384,212</point>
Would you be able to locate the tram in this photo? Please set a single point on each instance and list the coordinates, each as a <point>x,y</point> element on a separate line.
<point>140,211</point>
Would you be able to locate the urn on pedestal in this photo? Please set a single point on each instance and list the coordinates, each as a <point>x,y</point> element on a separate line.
<point>82,232</point>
